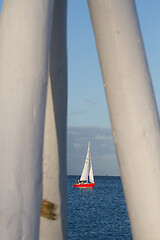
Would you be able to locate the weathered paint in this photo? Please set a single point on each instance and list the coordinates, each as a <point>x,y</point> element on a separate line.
<point>24,48</point>
<point>54,155</point>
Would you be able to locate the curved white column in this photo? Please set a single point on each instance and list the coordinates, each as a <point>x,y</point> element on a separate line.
<point>132,110</point>
<point>51,227</point>
<point>24,47</point>
<point>54,155</point>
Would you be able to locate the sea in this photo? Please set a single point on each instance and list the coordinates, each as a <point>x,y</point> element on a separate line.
<point>99,213</point>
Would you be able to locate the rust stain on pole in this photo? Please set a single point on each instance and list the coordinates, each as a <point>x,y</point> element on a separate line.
<point>48,210</point>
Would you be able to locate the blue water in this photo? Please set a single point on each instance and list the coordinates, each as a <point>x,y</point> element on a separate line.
<point>98,213</point>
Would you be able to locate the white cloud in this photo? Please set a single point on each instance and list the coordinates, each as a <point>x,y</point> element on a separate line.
<point>104,145</point>
<point>75,113</point>
<point>72,132</point>
<point>102,150</point>
<point>101,138</point>
<point>107,157</point>
<point>91,102</point>
<point>77,145</point>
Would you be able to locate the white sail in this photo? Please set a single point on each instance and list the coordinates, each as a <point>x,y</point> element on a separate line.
<point>84,175</point>
<point>91,178</point>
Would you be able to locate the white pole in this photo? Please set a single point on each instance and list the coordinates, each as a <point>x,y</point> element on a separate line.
<point>54,156</point>
<point>132,110</point>
<point>24,47</point>
<point>50,225</point>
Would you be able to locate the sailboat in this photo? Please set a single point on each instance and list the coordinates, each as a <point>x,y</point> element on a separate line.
<point>83,182</point>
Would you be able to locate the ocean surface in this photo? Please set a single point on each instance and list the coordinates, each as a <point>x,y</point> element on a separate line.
<point>98,213</point>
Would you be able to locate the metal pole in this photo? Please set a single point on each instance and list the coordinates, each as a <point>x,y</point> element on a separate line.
<point>133,112</point>
<point>24,48</point>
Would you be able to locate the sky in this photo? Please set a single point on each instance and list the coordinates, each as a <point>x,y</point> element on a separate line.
<point>88,116</point>
<point>87,104</point>
<point>87,107</point>
<point>86,98</point>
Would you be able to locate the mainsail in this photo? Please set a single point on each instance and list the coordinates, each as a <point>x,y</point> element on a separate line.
<point>84,175</point>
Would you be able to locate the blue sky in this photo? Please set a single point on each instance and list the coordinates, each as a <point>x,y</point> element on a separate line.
<point>88,116</point>
<point>84,75</point>
<point>86,100</point>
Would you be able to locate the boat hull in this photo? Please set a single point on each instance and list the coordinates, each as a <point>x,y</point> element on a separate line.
<point>83,185</point>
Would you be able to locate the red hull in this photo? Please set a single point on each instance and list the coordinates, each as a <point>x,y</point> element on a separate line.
<point>84,185</point>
